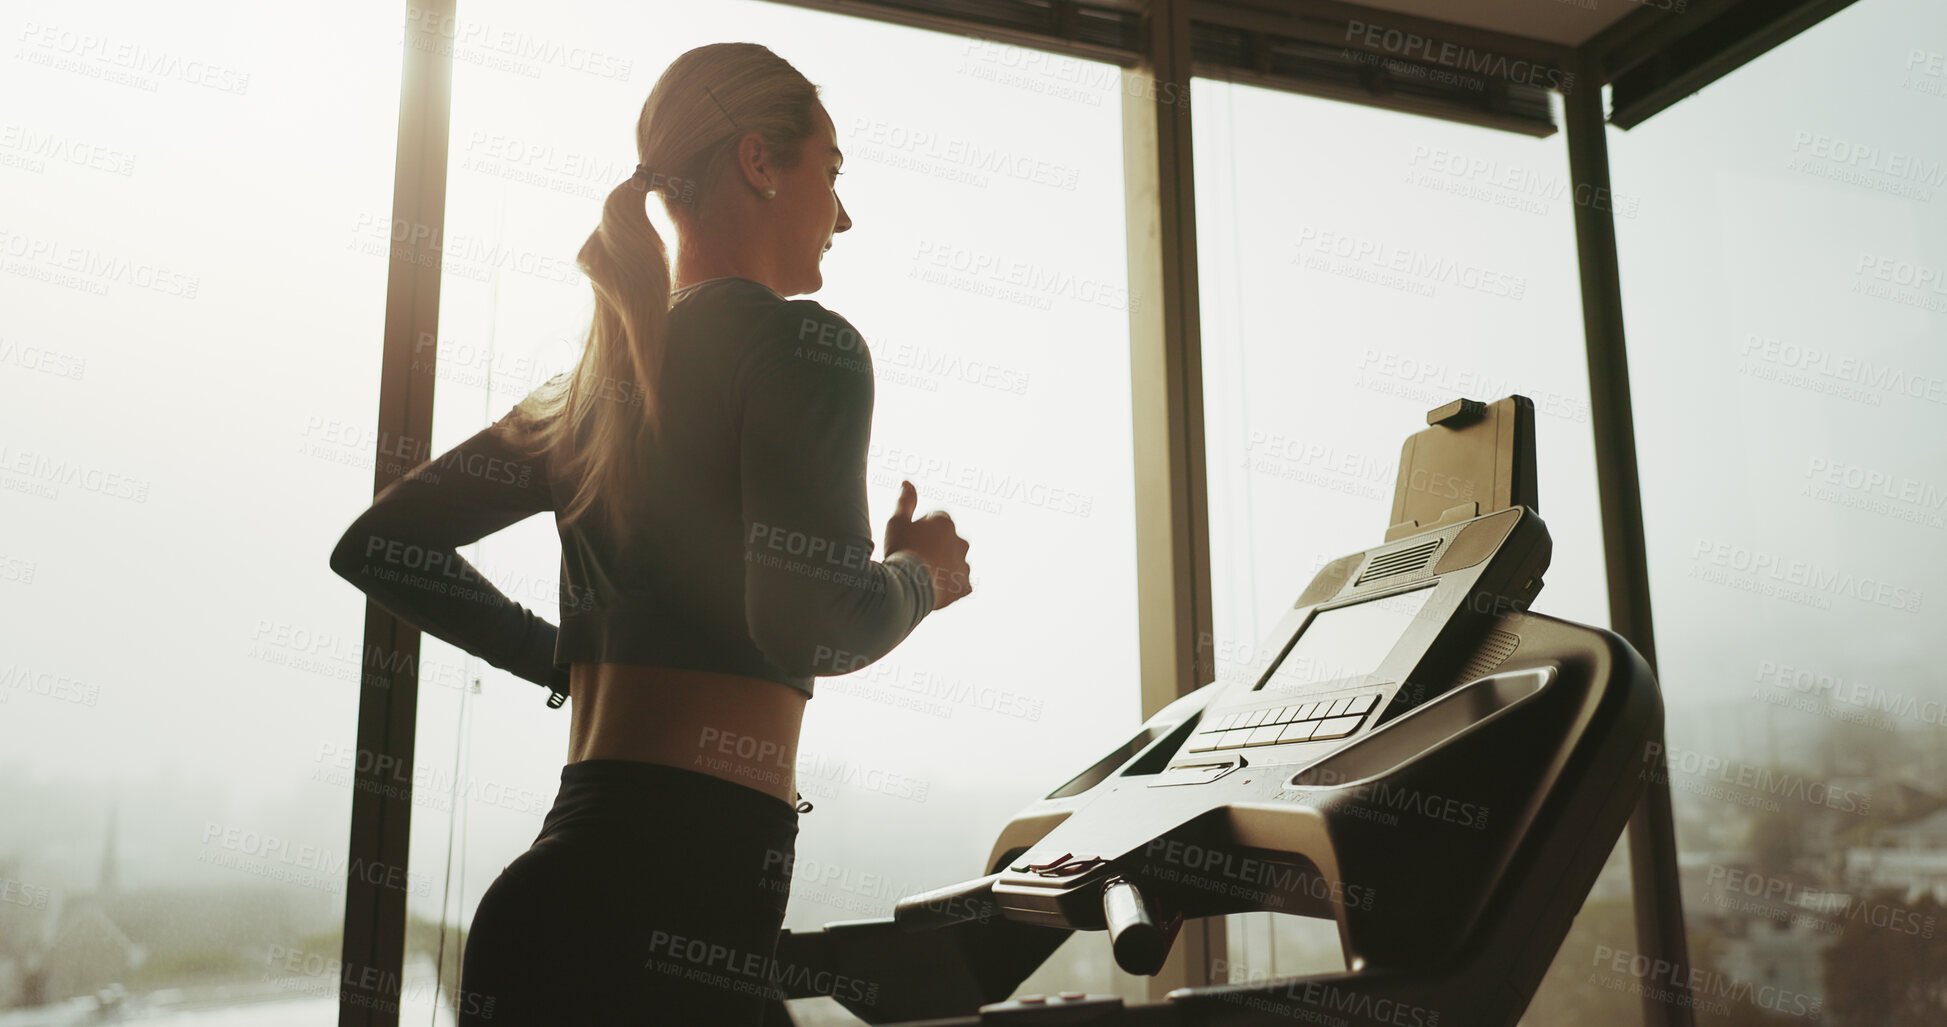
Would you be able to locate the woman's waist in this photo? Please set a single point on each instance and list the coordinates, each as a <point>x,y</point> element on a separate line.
<point>737,728</point>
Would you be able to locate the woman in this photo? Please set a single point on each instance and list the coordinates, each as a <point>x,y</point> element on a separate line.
<point>705,461</point>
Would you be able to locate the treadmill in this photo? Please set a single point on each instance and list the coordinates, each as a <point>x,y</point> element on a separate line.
<point>1427,762</point>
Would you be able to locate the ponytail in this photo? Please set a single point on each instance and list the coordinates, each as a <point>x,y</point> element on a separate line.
<point>594,421</point>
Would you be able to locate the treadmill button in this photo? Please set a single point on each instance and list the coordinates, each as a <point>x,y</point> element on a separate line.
<point>1338,707</point>
<point>1338,727</point>
<point>1256,718</point>
<point>1266,734</point>
<point>1227,721</point>
<point>1234,737</point>
<point>1297,732</point>
<point>1363,703</point>
<point>1205,742</point>
<point>1285,715</point>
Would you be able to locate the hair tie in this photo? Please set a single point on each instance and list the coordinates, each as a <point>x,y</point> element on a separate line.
<point>648,179</point>
<point>645,178</point>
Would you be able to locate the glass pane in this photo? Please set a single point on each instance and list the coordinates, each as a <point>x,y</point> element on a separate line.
<point>1786,291</point>
<point>986,269</point>
<point>1358,268</point>
<point>189,360</point>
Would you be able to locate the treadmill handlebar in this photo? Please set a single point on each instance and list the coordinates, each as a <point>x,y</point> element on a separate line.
<point>1139,934</point>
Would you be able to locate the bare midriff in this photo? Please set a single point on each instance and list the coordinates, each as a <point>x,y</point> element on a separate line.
<point>741,729</point>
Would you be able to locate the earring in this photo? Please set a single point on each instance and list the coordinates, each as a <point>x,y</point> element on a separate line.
<point>770,194</point>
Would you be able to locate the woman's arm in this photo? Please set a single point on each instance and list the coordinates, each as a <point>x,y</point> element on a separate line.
<point>404,553</point>
<point>816,601</point>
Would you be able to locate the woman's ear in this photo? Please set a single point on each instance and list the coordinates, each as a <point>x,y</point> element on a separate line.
<point>754,163</point>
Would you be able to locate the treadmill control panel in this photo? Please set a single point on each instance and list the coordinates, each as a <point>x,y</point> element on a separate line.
<point>1375,634</point>
<point>1318,720</point>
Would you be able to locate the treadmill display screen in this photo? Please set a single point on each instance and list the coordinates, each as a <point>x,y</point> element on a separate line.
<point>1348,641</point>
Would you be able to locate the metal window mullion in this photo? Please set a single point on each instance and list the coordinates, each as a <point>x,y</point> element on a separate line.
<point>1166,400</point>
<point>373,952</point>
<point>1654,885</point>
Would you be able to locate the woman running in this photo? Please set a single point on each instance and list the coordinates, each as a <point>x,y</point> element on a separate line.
<point>705,460</point>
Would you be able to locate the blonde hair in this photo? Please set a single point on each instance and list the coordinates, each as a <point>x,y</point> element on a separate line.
<point>593,421</point>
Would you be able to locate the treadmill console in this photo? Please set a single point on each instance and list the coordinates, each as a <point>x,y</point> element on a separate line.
<point>1376,634</point>
<point>1381,631</point>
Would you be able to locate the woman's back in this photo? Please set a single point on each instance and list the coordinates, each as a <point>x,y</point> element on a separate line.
<point>749,548</point>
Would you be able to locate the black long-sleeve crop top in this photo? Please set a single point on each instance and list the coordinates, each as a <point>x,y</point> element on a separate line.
<point>753,551</point>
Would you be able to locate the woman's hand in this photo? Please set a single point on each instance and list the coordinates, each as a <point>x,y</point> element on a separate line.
<point>933,539</point>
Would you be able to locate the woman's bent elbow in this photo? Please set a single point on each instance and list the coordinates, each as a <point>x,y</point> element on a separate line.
<point>346,557</point>
<point>357,545</point>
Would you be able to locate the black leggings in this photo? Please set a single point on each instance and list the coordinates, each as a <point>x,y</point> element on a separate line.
<point>653,895</point>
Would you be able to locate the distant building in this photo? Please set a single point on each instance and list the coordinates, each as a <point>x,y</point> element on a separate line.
<point>1911,856</point>
<point>85,953</point>
<point>1786,957</point>
<point>58,944</point>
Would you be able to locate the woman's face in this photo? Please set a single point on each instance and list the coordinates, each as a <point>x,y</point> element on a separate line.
<point>808,208</point>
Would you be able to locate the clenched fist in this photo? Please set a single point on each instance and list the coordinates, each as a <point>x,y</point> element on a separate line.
<point>933,539</point>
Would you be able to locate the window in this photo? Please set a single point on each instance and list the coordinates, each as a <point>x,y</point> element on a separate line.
<point>987,272</point>
<point>194,294</point>
<point>1786,295</point>
<point>1358,268</point>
